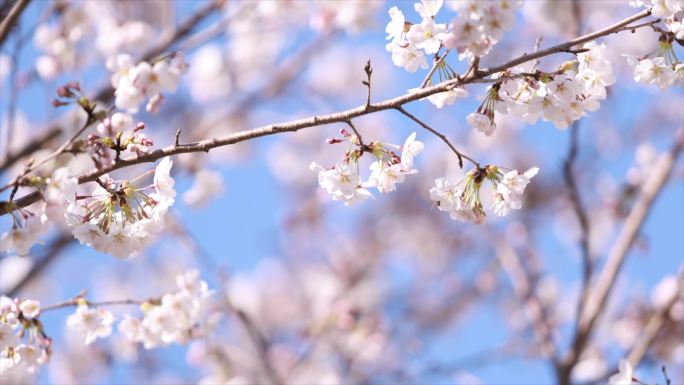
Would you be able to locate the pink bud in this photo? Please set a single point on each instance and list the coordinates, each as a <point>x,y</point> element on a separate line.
<point>59,103</point>
<point>74,85</point>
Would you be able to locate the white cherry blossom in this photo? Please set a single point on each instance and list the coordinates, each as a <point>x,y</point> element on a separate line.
<point>29,308</point>
<point>91,323</point>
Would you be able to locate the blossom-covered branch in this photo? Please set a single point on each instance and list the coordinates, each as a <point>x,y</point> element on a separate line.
<point>292,126</point>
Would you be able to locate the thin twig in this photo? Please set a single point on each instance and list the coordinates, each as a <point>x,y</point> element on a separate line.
<point>358,135</point>
<point>443,137</point>
<point>436,63</point>
<point>34,166</point>
<point>369,71</point>
<point>77,301</point>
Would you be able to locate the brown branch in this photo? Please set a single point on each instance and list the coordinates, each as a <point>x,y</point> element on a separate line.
<point>62,149</point>
<point>443,137</point>
<point>581,212</point>
<point>653,325</point>
<point>369,71</point>
<point>338,117</point>
<point>9,22</point>
<point>361,144</point>
<point>77,301</point>
<point>600,293</point>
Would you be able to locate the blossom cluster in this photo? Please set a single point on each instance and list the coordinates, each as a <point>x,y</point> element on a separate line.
<point>663,69</point>
<point>90,322</point>
<point>343,181</point>
<point>24,346</point>
<point>119,218</point>
<point>58,43</point>
<point>462,201</point>
<point>560,97</point>
<point>121,134</point>
<point>27,227</point>
<point>134,83</point>
<point>176,318</point>
<point>477,26</point>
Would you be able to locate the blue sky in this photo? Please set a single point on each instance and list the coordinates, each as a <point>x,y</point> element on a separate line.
<point>243,227</point>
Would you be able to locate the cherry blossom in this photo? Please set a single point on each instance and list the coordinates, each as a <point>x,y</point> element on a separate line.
<point>408,57</point>
<point>176,318</point>
<point>91,323</point>
<point>119,218</point>
<point>396,27</point>
<point>342,182</point>
<point>29,308</point>
<point>426,35</point>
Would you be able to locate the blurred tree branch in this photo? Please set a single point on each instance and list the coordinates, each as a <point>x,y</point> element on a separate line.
<point>600,292</point>
<point>11,19</point>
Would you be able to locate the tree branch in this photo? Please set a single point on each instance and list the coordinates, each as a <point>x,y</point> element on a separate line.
<point>655,322</point>
<point>338,117</point>
<point>441,136</point>
<point>11,19</point>
<point>580,211</point>
<point>598,297</point>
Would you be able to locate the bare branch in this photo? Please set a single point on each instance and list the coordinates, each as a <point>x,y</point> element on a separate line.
<point>600,293</point>
<point>580,211</point>
<point>11,19</point>
<point>655,322</point>
<point>443,137</point>
<point>77,301</point>
<point>369,71</point>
